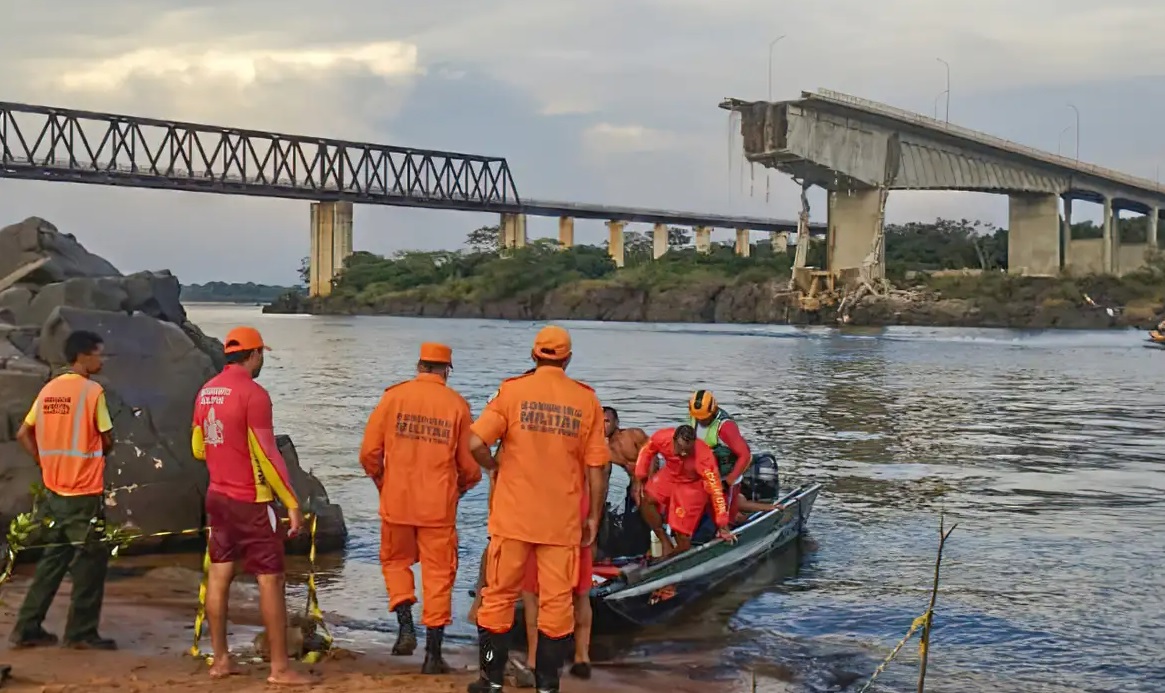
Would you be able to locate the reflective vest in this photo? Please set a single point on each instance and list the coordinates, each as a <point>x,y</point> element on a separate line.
<point>725,458</point>
<point>71,458</point>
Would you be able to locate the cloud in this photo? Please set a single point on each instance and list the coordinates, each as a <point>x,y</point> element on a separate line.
<point>601,101</point>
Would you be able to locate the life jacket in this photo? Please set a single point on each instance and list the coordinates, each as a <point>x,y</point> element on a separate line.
<point>725,459</point>
<point>71,456</point>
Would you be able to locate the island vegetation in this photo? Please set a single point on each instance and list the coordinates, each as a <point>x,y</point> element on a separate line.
<point>956,266</point>
<point>224,292</point>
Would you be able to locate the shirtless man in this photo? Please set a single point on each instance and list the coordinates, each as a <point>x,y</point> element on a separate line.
<point>624,443</point>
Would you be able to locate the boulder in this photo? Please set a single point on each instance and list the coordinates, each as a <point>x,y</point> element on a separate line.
<point>35,238</point>
<point>157,360</point>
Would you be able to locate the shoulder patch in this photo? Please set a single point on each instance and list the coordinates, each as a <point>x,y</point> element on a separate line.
<point>396,385</point>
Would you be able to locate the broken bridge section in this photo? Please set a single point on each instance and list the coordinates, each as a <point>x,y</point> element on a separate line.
<point>852,146</point>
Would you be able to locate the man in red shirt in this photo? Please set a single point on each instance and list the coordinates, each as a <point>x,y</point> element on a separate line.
<point>234,433</point>
<point>689,478</point>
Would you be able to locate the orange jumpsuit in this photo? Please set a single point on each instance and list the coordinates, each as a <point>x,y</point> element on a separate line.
<point>684,485</point>
<point>551,428</point>
<point>416,448</point>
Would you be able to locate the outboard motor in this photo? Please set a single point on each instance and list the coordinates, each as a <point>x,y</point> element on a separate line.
<point>762,483</point>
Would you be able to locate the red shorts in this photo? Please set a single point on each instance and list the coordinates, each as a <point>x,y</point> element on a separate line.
<point>246,532</point>
<point>586,569</point>
<point>682,502</point>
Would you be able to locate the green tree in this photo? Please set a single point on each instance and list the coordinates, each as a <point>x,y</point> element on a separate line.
<point>678,238</point>
<point>305,271</point>
<point>485,239</point>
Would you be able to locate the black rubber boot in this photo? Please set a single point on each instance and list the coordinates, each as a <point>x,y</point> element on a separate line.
<point>406,636</point>
<point>493,653</point>
<point>552,654</point>
<point>434,662</point>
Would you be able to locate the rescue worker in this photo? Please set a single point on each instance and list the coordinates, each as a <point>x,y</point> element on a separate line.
<point>719,431</point>
<point>552,444</point>
<point>681,489</point>
<point>69,433</point>
<point>416,450</point>
<point>234,433</point>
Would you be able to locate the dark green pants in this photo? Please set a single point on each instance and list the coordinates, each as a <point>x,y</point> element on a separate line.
<point>72,522</point>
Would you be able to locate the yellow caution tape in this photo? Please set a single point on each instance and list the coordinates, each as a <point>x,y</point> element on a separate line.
<point>23,527</point>
<point>914,626</point>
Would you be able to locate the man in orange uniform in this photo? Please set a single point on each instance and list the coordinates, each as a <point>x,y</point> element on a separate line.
<point>688,479</point>
<point>416,449</point>
<point>68,432</point>
<point>234,433</point>
<point>551,428</point>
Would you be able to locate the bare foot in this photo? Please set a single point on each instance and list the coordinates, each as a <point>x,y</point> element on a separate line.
<point>289,677</point>
<point>222,668</point>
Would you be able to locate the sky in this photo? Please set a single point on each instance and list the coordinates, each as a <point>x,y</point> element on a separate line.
<point>602,101</point>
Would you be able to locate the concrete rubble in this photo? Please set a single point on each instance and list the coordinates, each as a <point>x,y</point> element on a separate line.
<point>157,361</point>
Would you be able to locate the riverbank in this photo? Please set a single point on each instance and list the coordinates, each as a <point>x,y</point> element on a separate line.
<point>992,300</point>
<point>149,611</point>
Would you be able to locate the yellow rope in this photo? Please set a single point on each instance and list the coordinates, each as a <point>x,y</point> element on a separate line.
<point>919,622</point>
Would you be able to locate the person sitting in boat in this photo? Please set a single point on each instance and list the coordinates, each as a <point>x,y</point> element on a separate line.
<point>719,431</point>
<point>682,488</point>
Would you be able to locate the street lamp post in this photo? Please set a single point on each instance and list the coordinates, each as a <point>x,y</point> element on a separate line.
<point>1077,112</point>
<point>948,91</point>
<point>772,44</point>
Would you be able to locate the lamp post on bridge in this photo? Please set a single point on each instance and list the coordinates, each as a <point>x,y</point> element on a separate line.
<point>772,44</point>
<point>1077,112</point>
<point>948,89</point>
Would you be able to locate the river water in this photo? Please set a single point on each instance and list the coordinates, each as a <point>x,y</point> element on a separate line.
<point>1045,448</point>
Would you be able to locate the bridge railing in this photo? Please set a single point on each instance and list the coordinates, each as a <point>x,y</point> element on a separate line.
<point>984,138</point>
<point>81,146</point>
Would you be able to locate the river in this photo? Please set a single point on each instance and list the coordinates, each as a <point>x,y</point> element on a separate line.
<point>1044,446</point>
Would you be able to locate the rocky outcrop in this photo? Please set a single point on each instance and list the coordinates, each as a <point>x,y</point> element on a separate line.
<point>156,362</point>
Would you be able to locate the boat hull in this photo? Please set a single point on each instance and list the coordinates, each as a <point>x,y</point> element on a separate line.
<point>654,594</point>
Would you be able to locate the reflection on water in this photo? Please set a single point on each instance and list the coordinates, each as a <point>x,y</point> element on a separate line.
<point>1043,446</point>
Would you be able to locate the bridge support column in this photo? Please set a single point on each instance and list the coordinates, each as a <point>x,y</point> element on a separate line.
<point>853,226</point>
<point>566,232</point>
<point>615,246</point>
<point>1065,235</point>
<point>1154,217</point>
<point>659,244</point>
<point>1108,245</point>
<point>703,239</point>
<point>743,244</point>
<point>1033,234</point>
<point>513,230</point>
<point>331,244</point>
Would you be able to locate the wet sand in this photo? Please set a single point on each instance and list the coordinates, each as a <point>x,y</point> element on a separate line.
<point>150,612</point>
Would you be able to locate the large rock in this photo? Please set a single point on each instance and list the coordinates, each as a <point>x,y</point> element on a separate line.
<point>156,362</point>
<point>35,238</point>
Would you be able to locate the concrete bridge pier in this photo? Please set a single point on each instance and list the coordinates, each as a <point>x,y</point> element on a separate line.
<point>659,244</point>
<point>615,244</point>
<point>853,225</point>
<point>512,230</point>
<point>703,239</point>
<point>1033,237</point>
<point>1154,217</point>
<point>743,244</point>
<point>1107,256</point>
<point>1065,236</point>
<point>566,232</point>
<point>331,244</point>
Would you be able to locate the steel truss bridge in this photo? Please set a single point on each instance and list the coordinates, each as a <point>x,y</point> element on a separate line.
<point>60,144</point>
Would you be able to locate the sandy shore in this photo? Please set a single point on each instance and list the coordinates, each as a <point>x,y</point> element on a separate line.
<point>150,613</point>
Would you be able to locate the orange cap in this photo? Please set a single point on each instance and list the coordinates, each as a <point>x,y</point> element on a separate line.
<point>552,344</point>
<point>436,353</point>
<point>243,339</point>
